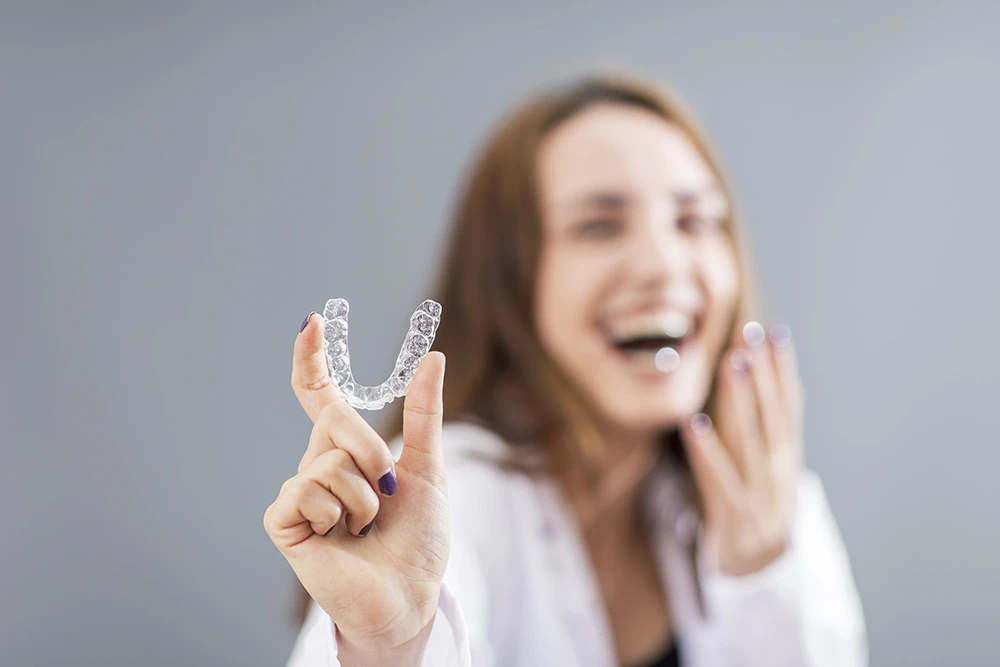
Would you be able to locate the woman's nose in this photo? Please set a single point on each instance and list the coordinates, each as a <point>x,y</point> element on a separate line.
<point>660,251</point>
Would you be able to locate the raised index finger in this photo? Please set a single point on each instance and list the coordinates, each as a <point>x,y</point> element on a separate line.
<point>310,375</point>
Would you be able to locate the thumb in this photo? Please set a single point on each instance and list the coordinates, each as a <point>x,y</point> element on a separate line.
<point>423,409</point>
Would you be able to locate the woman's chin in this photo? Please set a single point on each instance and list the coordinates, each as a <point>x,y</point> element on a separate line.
<point>633,394</point>
<point>653,410</point>
<point>658,400</point>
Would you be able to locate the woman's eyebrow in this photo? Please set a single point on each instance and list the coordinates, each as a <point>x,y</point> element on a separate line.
<point>616,200</point>
<point>688,197</point>
<point>600,200</point>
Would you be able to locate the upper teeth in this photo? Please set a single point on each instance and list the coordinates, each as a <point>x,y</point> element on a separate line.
<point>672,324</point>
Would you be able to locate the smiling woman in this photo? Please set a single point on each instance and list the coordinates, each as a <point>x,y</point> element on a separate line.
<point>552,200</point>
<point>663,253</point>
<point>612,473</point>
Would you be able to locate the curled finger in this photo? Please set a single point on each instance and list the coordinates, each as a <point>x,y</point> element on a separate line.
<point>303,507</point>
<point>337,472</point>
<point>339,426</point>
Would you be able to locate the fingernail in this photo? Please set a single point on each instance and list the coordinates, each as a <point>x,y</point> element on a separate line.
<point>306,321</point>
<point>780,335</point>
<point>387,483</point>
<point>740,359</point>
<point>364,531</point>
<point>329,529</point>
<point>753,333</point>
<point>701,423</point>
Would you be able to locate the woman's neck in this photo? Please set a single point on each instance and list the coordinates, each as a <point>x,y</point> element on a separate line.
<point>610,511</point>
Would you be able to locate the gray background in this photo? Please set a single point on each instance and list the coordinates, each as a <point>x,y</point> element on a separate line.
<point>180,183</point>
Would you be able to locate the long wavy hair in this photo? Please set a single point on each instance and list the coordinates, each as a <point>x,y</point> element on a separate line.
<point>499,374</point>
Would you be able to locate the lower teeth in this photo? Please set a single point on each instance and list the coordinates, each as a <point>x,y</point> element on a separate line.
<point>665,360</point>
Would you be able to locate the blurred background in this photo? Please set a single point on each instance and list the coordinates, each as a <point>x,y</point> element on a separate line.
<point>181,183</point>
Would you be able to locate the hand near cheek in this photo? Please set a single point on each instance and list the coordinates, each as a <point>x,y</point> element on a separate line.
<point>747,469</point>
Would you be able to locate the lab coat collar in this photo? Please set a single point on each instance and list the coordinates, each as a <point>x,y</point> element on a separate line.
<point>673,524</point>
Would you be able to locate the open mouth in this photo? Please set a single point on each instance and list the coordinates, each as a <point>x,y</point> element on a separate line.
<point>660,353</point>
<point>654,345</point>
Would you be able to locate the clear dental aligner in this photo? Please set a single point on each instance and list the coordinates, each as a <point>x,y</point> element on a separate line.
<point>423,325</point>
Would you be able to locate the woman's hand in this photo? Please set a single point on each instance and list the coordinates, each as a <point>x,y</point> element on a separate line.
<point>378,581</point>
<point>747,470</point>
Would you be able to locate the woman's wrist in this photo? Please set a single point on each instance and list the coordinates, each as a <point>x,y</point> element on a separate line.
<point>410,652</point>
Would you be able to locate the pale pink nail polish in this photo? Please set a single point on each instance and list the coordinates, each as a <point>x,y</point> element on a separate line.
<point>753,333</point>
<point>780,335</point>
<point>701,423</point>
<point>740,359</point>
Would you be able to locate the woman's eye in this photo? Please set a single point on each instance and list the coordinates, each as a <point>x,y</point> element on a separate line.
<point>699,223</point>
<point>598,228</point>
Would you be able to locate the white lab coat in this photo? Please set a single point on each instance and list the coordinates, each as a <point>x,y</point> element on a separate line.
<point>518,588</point>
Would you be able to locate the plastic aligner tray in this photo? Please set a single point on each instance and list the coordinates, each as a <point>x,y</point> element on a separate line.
<point>423,326</point>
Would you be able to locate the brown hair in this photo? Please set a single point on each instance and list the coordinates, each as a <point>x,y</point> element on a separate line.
<point>498,372</point>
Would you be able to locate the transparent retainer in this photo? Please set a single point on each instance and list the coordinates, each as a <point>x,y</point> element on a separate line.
<point>423,326</point>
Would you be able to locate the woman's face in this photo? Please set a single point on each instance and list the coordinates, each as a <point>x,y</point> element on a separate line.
<point>635,258</point>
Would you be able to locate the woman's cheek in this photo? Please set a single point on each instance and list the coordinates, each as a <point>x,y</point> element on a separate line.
<point>561,310</point>
<point>721,277</point>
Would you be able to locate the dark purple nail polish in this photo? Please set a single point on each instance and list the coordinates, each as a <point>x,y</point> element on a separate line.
<point>306,321</point>
<point>387,483</point>
<point>364,531</point>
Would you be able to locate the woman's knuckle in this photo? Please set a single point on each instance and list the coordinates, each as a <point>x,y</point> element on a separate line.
<point>331,462</point>
<point>331,412</point>
<point>368,499</point>
<point>298,492</point>
<point>317,383</point>
<point>422,411</point>
<point>303,464</point>
<point>339,459</point>
<point>375,460</point>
